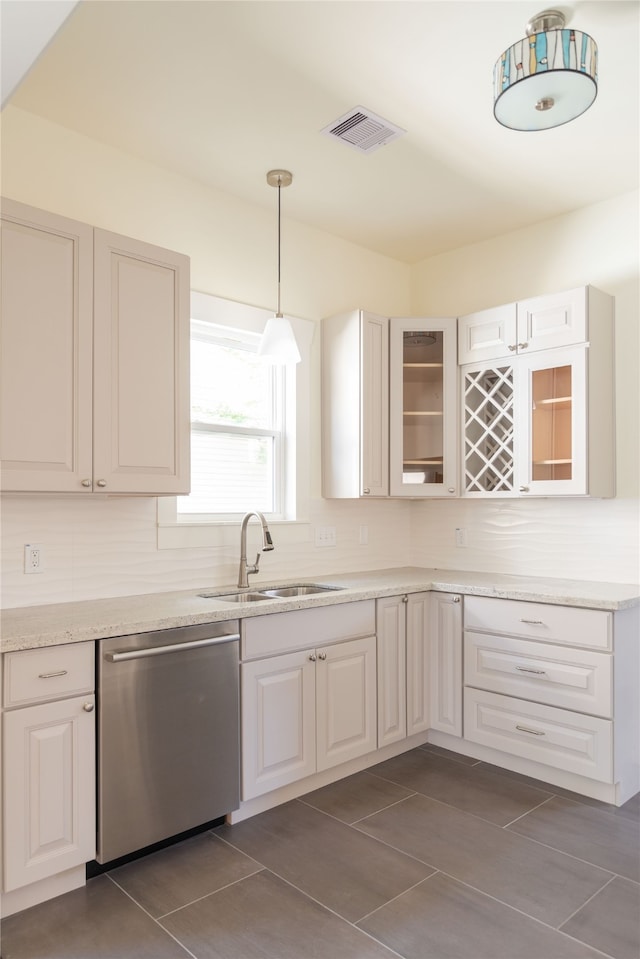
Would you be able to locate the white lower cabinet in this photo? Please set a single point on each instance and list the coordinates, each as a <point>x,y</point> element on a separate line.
<point>403,635</point>
<point>49,813</point>
<point>445,663</point>
<point>311,709</point>
<point>555,685</point>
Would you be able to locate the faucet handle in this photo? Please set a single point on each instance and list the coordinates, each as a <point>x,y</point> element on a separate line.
<point>254,568</point>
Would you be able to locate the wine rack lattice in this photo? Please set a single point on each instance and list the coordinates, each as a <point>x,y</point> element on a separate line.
<point>488,431</point>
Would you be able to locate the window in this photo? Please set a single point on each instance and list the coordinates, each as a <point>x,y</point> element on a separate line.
<point>237,425</point>
<point>250,431</point>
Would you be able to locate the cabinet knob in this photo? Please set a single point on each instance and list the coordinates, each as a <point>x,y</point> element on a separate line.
<point>524,489</point>
<point>322,656</point>
<point>313,657</point>
<point>512,347</point>
<point>523,346</point>
<point>86,482</point>
<point>101,483</point>
<point>366,491</point>
<point>405,599</point>
<point>456,599</point>
<point>88,707</point>
<point>452,489</point>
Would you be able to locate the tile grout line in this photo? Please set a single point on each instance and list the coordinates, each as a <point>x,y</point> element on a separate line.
<point>398,896</point>
<point>153,919</point>
<point>527,915</point>
<point>227,885</point>
<point>525,814</point>
<point>590,899</point>
<point>324,812</point>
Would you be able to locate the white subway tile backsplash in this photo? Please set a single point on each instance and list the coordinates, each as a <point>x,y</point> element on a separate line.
<point>100,547</point>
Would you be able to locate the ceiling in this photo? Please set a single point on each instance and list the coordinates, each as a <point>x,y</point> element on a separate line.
<point>224,91</point>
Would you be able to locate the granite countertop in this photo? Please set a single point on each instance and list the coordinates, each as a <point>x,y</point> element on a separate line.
<point>33,626</point>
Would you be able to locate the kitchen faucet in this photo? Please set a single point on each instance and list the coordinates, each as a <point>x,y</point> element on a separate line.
<point>267,544</point>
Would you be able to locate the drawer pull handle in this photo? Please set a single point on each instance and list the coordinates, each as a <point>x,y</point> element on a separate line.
<point>532,622</point>
<point>60,672</point>
<point>529,669</point>
<point>534,732</point>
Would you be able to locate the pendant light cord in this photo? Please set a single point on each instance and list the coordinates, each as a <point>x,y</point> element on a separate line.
<point>279,188</point>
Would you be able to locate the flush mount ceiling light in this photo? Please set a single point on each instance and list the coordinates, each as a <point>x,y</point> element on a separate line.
<point>278,343</point>
<point>546,79</point>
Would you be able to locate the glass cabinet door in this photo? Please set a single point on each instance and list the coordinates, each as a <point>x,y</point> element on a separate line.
<point>422,407</point>
<point>554,423</point>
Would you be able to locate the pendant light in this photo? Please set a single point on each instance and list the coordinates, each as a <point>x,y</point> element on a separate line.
<point>278,343</point>
<point>546,79</point>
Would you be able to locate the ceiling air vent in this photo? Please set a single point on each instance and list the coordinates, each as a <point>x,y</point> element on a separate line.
<point>363,130</point>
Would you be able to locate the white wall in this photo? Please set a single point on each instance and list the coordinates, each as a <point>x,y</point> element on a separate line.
<point>105,547</point>
<point>580,539</point>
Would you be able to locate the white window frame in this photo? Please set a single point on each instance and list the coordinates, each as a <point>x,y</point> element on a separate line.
<point>177,530</point>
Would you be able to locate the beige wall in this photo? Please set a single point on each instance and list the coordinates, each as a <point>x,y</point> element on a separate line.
<point>108,547</point>
<point>597,245</point>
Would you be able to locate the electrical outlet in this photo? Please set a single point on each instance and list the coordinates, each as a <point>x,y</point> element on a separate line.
<point>325,536</point>
<point>364,535</point>
<point>461,536</point>
<point>33,558</point>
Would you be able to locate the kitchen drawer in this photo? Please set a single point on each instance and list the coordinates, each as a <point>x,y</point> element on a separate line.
<point>552,624</point>
<point>53,672</point>
<point>578,679</point>
<point>556,737</point>
<point>304,628</point>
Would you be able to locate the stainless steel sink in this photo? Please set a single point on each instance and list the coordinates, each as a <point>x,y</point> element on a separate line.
<point>301,589</point>
<point>245,596</point>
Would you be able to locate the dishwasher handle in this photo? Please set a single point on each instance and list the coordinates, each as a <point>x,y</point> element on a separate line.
<point>144,652</point>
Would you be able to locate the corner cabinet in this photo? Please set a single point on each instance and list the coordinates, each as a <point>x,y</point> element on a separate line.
<point>95,359</point>
<point>389,406</point>
<point>403,627</point>
<point>540,421</point>
<point>423,418</point>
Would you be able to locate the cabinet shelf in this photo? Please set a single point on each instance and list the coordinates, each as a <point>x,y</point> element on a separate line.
<point>422,413</point>
<point>423,366</point>
<point>558,401</point>
<point>560,462</point>
<point>427,461</point>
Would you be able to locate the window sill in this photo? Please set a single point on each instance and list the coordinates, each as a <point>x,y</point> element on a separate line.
<point>190,535</point>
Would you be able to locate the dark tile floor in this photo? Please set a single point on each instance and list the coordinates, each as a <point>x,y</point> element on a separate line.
<point>426,856</point>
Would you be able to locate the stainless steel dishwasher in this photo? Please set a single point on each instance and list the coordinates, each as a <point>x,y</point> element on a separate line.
<point>168,734</point>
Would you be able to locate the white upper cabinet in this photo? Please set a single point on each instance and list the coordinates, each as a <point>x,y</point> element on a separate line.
<point>95,359</point>
<point>542,422</point>
<point>539,323</point>
<point>487,334</point>
<point>423,420</point>
<point>355,405</point>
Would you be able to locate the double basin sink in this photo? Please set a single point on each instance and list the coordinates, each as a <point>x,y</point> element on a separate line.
<point>276,592</point>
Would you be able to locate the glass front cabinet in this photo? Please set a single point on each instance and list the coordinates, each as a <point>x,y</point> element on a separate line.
<point>422,407</point>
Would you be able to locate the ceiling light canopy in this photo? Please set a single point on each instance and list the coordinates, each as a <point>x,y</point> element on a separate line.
<point>278,342</point>
<point>546,79</point>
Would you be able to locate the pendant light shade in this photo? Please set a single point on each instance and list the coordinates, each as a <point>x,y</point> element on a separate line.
<point>546,79</point>
<point>278,342</point>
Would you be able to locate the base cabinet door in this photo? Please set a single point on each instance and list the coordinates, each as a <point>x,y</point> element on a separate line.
<point>49,789</point>
<point>391,629</point>
<point>346,701</point>
<point>418,662</point>
<point>278,721</point>
<point>446,663</point>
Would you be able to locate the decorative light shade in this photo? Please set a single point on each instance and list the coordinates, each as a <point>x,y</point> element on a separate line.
<point>546,79</point>
<point>278,342</point>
